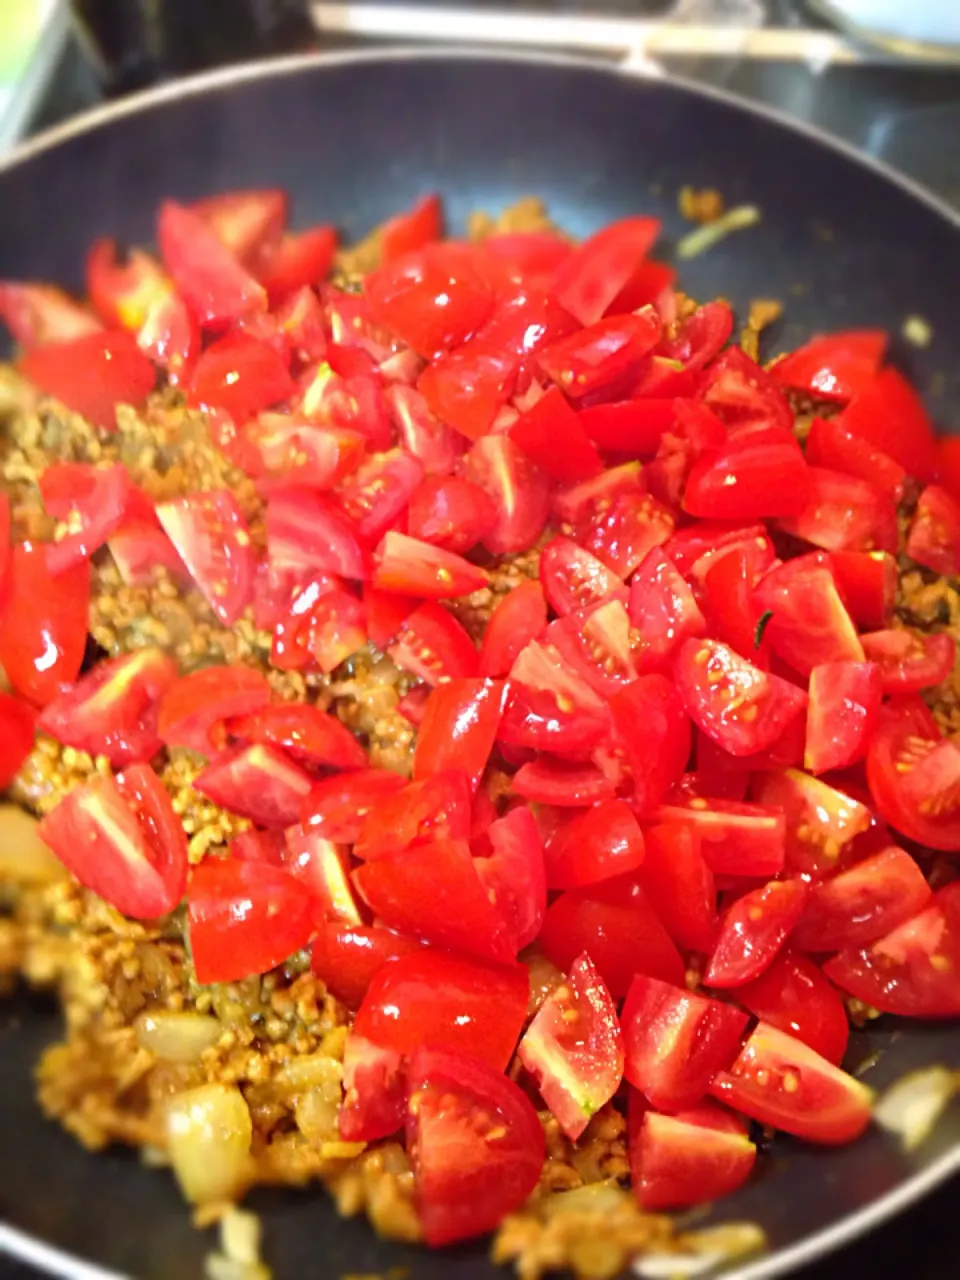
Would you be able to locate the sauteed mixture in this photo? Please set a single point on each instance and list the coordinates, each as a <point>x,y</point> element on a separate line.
<point>490,736</point>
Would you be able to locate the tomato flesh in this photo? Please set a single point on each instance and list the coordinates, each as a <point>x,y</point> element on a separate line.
<point>44,623</point>
<point>794,996</point>
<point>699,1155</point>
<point>753,930</point>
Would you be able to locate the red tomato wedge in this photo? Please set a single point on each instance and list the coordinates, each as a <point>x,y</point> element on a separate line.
<point>518,490</point>
<point>122,293</point>
<point>753,930</point>
<point>915,781</point>
<point>844,513</point>
<point>909,661</point>
<point>592,277</point>
<point>675,1041</point>
<point>868,584</point>
<point>240,374</point>
<point>474,1141</point>
<point>598,645</point>
<point>194,707</point>
<point>948,458</point>
<point>934,537</point>
<point>794,996</point>
<point>551,435</point>
<point>808,622</point>
<point>459,728</point>
<point>91,501</point>
<point>432,299</point>
<point>593,844</point>
<point>573,1048</point>
<point>306,533</point>
<point>438,807</point>
<point>347,957</point>
<point>303,731</point>
<point>170,335</point>
<point>678,1161</point>
<point>890,415</point>
<point>337,807</point>
<point>519,617</point>
<point>376,494</point>
<point>411,567</point>
<point>652,737</point>
<point>258,782</point>
<point>836,367</point>
<point>412,229</point>
<point>450,512</point>
<point>830,446</point>
<point>300,260</point>
<point>562,783</point>
<point>599,361</point>
<point>735,839</point>
<point>633,427</point>
<point>783,1083</point>
<point>663,609</point>
<point>574,579</point>
<point>17,731</point>
<point>92,374</point>
<point>680,885</point>
<point>820,820</point>
<point>212,538</point>
<point>468,386</point>
<point>210,277</point>
<point>513,875</point>
<point>842,714</point>
<point>549,706</point>
<point>244,918</point>
<point>756,473</point>
<point>322,867</point>
<point>40,314</point>
<point>43,623</point>
<point>434,646</point>
<point>121,838</point>
<point>245,221</point>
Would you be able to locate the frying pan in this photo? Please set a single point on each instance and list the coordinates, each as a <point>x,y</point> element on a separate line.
<point>842,241</point>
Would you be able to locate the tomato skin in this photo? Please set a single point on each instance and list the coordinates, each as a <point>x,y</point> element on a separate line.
<point>591,278</point>
<point>92,374</point>
<point>676,1041</point>
<point>597,644</point>
<point>437,807</point>
<point>385,614</point>
<point>427,997</point>
<point>699,1155</point>
<point>244,918</point>
<point>794,996</point>
<point>934,537</point>
<point>756,474</point>
<point>829,445</point>
<point>170,335</point>
<point>562,783</point>
<point>662,608</point>
<point>475,1143</point>
<point>459,728</point>
<point>213,282</point>
<point>423,436</point>
<point>245,222</point>
<point>549,706</point>
<point>735,839</point>
<point>868,584</point>
<point>451,513</point>
<point>467,387</point>
<point>551,435</point>
<point>820,820</point>
<point>514,876</point>
<point>782,1082</point>
<point>412,229</point>
<point>258,782</point>
<point>844,513</point>
<point>574,579</point>
<point>299,260</point>
<point>43,623</point>
<point>304,732</point>
<point>810,624</point>
<point>411,567</point>
<point>518,490</point>
<point>376,494</point>
<point>598,361</point>
<point>337,807</point>
<point>17,731</point>
<point>680,885</point>
<point>121,838</point>
<point>653,734</point>
<point>577,1061</point>
<point>842,714</point>
<point>631,427</point>
<point>913,779</point>
<point>307,533</point>
<point>909,661</point>
<point>211,536</point>
<point>753,930</point>
<point>519,617</point>
<point>196,704</point>
<point>434,645</point>
<point>593,844</point>
<point>121,293</point>
<point>891,416</point>
<point>433,299</point>
<point>346,957</point>
<point>40,314</point>
<point>95,498</point>
<point>836,367</point>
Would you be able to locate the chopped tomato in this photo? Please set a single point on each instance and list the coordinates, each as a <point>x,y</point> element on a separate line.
<point>423,435</point>
<point>459,728</point>
<point>122,293</point>
<point>593,844</point>
<point>948,464</point>
<point>836,367</point>
<point>699,1155</point>
<point>347,957</point>
<point>170,336</point>
<point>808,623</point>
<point>244,918</point>
<point>121,838</point>
<point>528,253</point>
<point>695,434</point>
<point>40,314</point>
<point>337,807</point>
<point>592,277</point>
<point>700,338</point>
<point>258,782</point>
<point>245,221</point>
<point>385,614</point>
<point>92,374</point>
<point>783,1083</point>
<point>411,567</point>
<point>433,645</point>
<point>112,711</point>
<point>43,623</point>
<point>863,903</point>
<point>649,284</point>
<point>909,660</point>
<point>549,706</point>
<point>600,360</point>
<point>652,735</point>
<point>675,1041</point>
<point>741,707</point>
<point>433,891</point>
<point>573,1048</point>
<point>562,783</point>
<point>436,807</point>
<point>475,1144</point>
<point>513,875</point>
<point>633,427</point>
<point>615,923</point>
<point>211,536</point>
<point>598,645</point>
<point>890,415</point>
<point>240,374</point>
<point>744,395</point>
<point>468,386</point>
<point>753,930</point>
<point>915,781</point>
<point>351,402</point>
<point>411,229</point>
<point>736,839</point>
<point>324,624</point>
<point>680,885</point>
<point>844,513</point>
<point>756,473</point>
<point>90,500</point>
<point>322,867</point>
<point>868,585</point>
<point>794,996</point>
<point>663,609</point>
<point>551,434</point>
<point>301,259</point>
<point>518,490</point>
<point>519,617</point>
<point>196,704</point>
<point>376,494</point>
<point>573,579</point>
<point>292,452</point>
<point>820,820</point>
<point>208,275</point>
<point>427,997</point>
<point>829,445</point>
<point>17,731</point>
<point>842,714</point>
<point>433,299</point>
<point>303,731</point>
<point>307,533</point>
<point>451,512</point>
<point>934,537</point>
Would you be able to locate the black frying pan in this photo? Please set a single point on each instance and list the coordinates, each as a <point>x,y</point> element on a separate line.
<point>842,242</point>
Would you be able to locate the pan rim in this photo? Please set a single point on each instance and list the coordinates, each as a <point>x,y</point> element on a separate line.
<point>33,1250</point>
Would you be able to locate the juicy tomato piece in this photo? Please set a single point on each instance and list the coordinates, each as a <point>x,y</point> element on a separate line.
<point>43,623</point>
<point>258,782</point>
<point>744,395</point>
<point>474,1141</point>
<point>325,625</point>
<point>212,538</point>
<point>459,728</point>
<point>112,711</point>
<point>306,533</point>
<point>598,645</point>
<point>573,579</point>
<point>92,502</point>
<point>322,867</point>
<point>573,1048</point>
<point>374,1089</point>
<point>908,660</point>
<point>890,415</point>
<point>385,614</point>
<point>663,609</point>
<point>593,844</point>
<point>757,473</point>
<point>794,996</point>
<point>862,903</point>
<point>433,299</point>
<point>303,731</point>
<point>652,734</point>
<point>633,427</point>
<point>244,918</point>
<point>411,567</point>
<point>350,402</point>
<point>700,337</point>
<point>676,1041</point>
<point>948,464</point>
<point>92,374</point>
<point>170,335</point>
<point>245,221</point>
<point>695,434</point>
<point>300,320</point>
<point>301,259</point>
<point>741,707</point>
<point>829,445</point>
<point>240,374</point>
<point>337,807</point>
<point>868,585</point>
<point>844,513</point>
<point>411,230</point>
<point>753,930</point>
<point>622,530</point>
<point>562,783</point>
<point>820,820</point>
<point>696,548</point>
<point>433,891</point>
<point>729,601</point>
<point>595,273</point>
<point>836,367</point>
<point>376,494</point>
<point>423,435</point>
<point>292,452</point>
<point>427,997</point>
<point>580,504</point>
<point>17,731</point>
<point>433,645</point>
<point>450,512</point>
<point>518,490</point>
<point>915,781</point>
<point>913,970</point>
<point>513,875</point>
<point>842,714</point>
<point>781,1082</point>
<point>615,923</point>
<point>437,807</point>
<point>934,537</point>
<point>519,617</point>
<point>197,704</point>
<point>680,885</point>
<point>40,314</point>
<point>122,293</point>
<point>649,284</point>
<point>692,1158</point>
<point>347,957</point>
<point>121,838</point>
<point>736,839</point>
<point>809,624</point>
<point>551,435</point>
<point>217,288</point>
<point>468,386</point>
<point>528,253</point>
<point>549,706</point>
<point>601,359</point>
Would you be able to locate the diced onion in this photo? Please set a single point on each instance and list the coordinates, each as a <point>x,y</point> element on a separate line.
<point>594,1197</point>
<point>240,1236</point>
<point>24,858</point>
<point>177,1037</point>
<point>209,1132</point>
<point>704,238</point>
<point>912,1106</point>
<point>704,1250</point>
<point>917,331</point>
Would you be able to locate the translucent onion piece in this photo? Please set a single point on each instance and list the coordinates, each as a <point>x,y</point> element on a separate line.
<point>912,1106</point>
<point>24,858</point>
<point>704,238</point>
<point>177,1037</point>
<point>208,1136</point>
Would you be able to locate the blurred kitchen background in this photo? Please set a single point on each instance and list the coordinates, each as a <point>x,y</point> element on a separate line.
<point>882,74</point>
